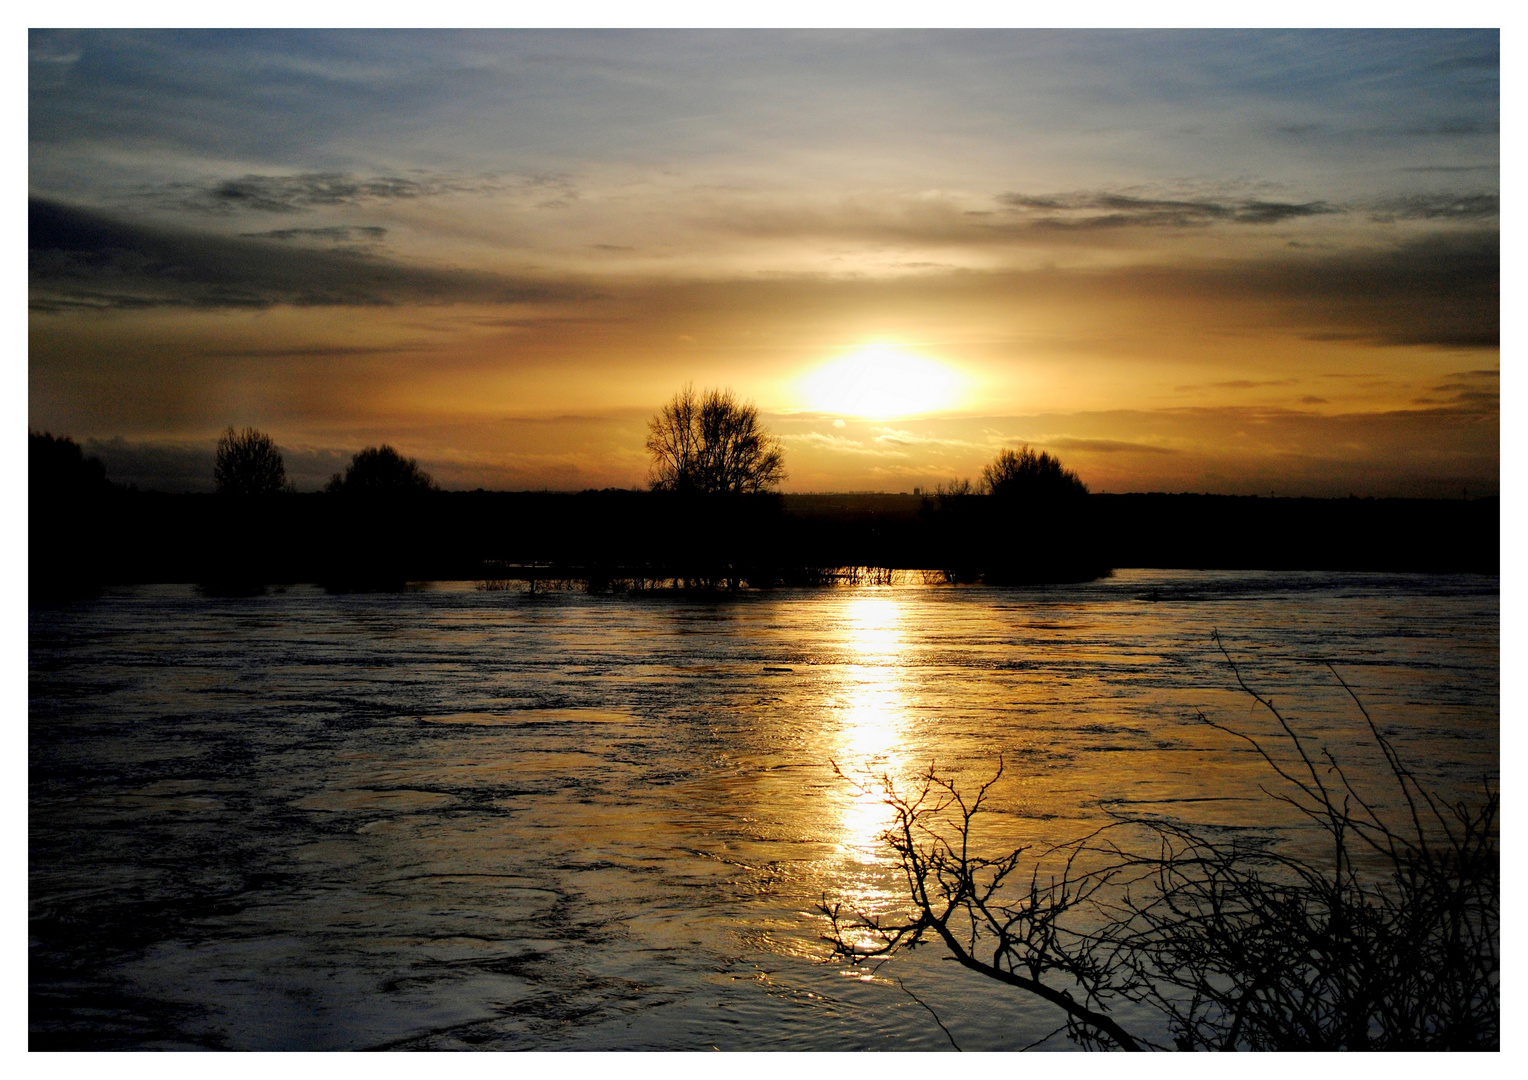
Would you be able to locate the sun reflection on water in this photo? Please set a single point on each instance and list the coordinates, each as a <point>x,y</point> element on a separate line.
<point>872,717</point>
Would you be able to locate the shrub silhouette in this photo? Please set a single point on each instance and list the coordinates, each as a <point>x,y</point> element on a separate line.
<point>1035,521</point>
<point>381,470</point>
<point>248,464</point>
<point>713,444</point>
<point>1387,942</point>
<point>378,536</point>
<point>1028,475</point>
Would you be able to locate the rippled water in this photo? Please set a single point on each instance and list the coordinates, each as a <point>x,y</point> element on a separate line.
<point>451,818</point>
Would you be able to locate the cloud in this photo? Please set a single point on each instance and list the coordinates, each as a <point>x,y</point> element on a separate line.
<point>816,440</point>
<point>1442,289</point>
<point>1484,60</point>
<point>294,194</point>
<point>155,466</point>
<point>331,234</point>
<point>1106,446</point>
<point>898,437</point>
<point>1453,126</point>
<point>891,233</point>
<point>1419,451</point>
<point>1438,289</point>
<point>1431,450</point>
<point>1439,207</point>
<point>80,259</point>
<point>325,349</point>
<point>1478,390</point>
<point>1111,210</point>
<point>51,56</point>
<point>297,193</point>
<point>1247,384</point>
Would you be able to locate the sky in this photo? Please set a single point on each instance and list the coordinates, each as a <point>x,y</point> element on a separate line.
<point>1233,262</point>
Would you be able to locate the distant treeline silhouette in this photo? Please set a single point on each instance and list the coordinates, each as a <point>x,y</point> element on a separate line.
<point>71,512</point>
<point>384,522</point>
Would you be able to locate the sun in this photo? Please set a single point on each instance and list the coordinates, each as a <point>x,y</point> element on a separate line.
<point>882,382</point>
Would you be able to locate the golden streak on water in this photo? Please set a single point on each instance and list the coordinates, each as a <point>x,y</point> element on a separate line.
<point>872,720</point>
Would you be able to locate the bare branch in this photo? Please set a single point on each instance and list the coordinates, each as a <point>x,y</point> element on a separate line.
<point>1234,941</point>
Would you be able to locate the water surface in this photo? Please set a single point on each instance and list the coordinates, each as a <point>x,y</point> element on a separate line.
<point>447,818</point>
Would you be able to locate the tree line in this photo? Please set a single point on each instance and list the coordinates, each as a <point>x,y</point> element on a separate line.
<point>248,465</point>
<point>709,443</point>
<point>715,519</point>
<point>713,444</point>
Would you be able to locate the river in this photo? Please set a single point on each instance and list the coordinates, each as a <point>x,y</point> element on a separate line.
<point>453,818</point>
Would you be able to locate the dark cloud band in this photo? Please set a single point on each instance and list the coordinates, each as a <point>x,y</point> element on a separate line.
<point>302,192</point>
<point>1106,210</point>
<point>1439,207</point>
<point>1442,289</point>
<point>83,260</point>
<point>333,234</point>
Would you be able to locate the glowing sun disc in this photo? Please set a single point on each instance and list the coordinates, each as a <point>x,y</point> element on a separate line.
<point>881,381</point>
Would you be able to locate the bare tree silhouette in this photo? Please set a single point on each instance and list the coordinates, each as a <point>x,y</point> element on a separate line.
<point>248,464</point>
<point>713,444</point>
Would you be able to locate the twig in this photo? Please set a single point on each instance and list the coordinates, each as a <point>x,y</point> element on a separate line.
<point>931,1012</point>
